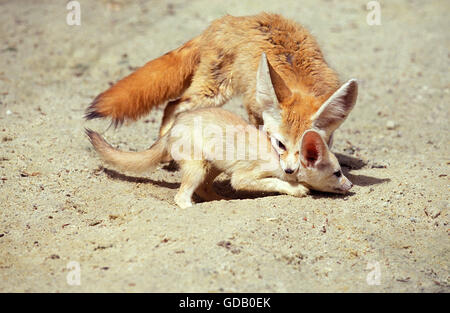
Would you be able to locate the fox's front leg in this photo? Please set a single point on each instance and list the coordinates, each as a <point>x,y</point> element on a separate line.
<point>269,184</point>
<point>206,190</point>
<point>293,189</point>
<point>299,190</point>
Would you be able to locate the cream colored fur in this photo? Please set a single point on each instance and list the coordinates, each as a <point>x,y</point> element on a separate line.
<point>192,142</point>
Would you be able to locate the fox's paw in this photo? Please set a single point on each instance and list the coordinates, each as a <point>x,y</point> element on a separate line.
<point>183,201</point>
<point>299,191</point>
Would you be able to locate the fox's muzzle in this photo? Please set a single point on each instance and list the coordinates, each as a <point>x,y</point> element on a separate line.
<point>289,165</point>
<point>346,184</point>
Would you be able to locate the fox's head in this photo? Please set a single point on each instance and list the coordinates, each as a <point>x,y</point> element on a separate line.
<point>289,114</point>
<point>320,168</point>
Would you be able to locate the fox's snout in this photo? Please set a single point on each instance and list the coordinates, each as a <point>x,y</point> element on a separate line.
<point>289,169</point>
<point>346,184</point>
<point>289,164</point>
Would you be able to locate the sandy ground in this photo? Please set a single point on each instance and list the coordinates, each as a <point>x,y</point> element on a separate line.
<point>58,205</point>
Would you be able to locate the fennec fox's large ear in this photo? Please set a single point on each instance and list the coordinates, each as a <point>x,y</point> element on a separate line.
<point>270,87</point>
<point>336,109</point>
<point>313,148</point>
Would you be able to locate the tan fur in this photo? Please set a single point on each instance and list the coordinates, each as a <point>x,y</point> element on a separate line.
<point>230,52</point>
<point>151,85</point>
<point>223,61</point>
<point>128,161</point>
<point>201,159</point>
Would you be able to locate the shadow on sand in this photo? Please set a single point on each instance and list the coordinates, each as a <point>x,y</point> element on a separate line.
<point>141,180</point>
<point>350,163</point>
<point>223,187</point>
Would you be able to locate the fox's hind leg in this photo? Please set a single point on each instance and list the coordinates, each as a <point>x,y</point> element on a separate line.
<point>170,112</point>
<point>193,175</point>
<point>206,190</point>
<point>254,110</point>
<point>186,103</point>
<point>210,87</point>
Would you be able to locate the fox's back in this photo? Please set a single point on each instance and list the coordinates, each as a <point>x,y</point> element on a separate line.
<point>232,46</point>
<point>218,64</point>
<point>223,138</point>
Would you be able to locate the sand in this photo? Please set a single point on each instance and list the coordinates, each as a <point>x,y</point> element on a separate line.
<point>62,211</point>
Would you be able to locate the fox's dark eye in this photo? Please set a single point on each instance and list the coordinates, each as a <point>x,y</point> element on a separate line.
<point>281,145</point>
<point>277,144</point>
<point>337,173</point>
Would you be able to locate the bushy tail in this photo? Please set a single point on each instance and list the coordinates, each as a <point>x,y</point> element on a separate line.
<point>129,161</point>
<point>161,79</point>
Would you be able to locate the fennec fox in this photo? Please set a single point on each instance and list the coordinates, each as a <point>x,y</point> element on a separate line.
<point>207,142</point>
<point>292,78</point>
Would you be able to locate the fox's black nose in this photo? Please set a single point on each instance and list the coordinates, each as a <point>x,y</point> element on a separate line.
<point>289,171</point>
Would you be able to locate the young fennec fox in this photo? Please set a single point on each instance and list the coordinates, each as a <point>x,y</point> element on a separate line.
<point>207,142</point>
<point>292,78</point>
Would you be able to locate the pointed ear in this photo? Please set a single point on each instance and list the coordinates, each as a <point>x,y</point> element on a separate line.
<point>270,87</point>
<point>336,109</point>
<point>313,148</point>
